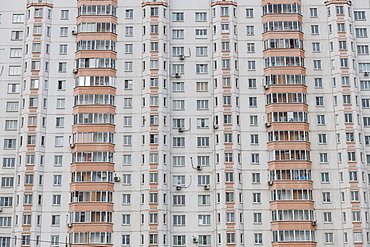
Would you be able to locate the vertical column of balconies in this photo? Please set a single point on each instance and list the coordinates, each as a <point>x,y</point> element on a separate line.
<point>287,126</point>
<point>154,113</point>
<point>226,121</point>
<point>92,168</point>
<point>32,127</point>
<point>347,116</point>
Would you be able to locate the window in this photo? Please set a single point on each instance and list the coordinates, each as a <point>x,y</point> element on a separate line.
<point>55,220</point>
<point>341,27</point>
<point>316,47</point>
<point>327,217</point>
<point>179,220</point>
<point>178,68</point>
<point>253,120</point>
<point>361,32</point>
<point>339,10</point>
<point>204,219</point>
<point>255,158</point>
<point>359,15</point>
<point>227,100</point>
<point>11,124</point>
<point>351,156</point>
<point>317,64</point>
<point>204,200</point>
<point>225,11</point>
<point>254,139</point>
<point>326,197</point>
<point>129,13</point>
<point>252,101</point>
<point>328,238</point>
<point>178,104</point>
<point>256,177</point>
<point>342,45</point>
<point>128,66</point>
<point>325,177</point>
<point>7,182</point>
<point>178,16</point>
<point>127,159</point>
<point>126,198</point>
<point>18,18</point>
<point>201,16</point>
<point>202,86</point>
<point>320,101</point>
<point>177,34</point>
<point>229,157</point>
<point>322,138</point>
<point>258,238</point>
<point>17,35</point>
<point>363,49</point>
<point>344,62</point>
<point>256,197</point>
<point>128,48</point>
<point>63,31</point>
<point>314,29</point>
<point>357,236</point>
<point>250,30</point>
<point>57,180</point>
<point>178,160</point>
<point>177,86</point>
<point>348,117</point>
<point>15,52</point>
<point>26,240</point>
<point>9,143</point>
<point>127,84</point>
<point>179,200</point>
<point>154,11</point>
<point>59,141</point>
<point>356,216</point>
<point>200,33</point>
<point>64,14</point>
<point>323,157</point>
<point>127,102</point>
<point>230,238</point>
<point>202,68</point>
<point>313,12</point>
<point>203,141</point>
<point>14,70</point>
<point>126,219</point>
<point>154,29</point>
<point>251,65</point>
<point>202,160</point>
<point>129,31</point>
<point>127,140</point>
<point>354,196</point>
<point>179,141</point>
<point>249,13</point>
<point>38,12</point>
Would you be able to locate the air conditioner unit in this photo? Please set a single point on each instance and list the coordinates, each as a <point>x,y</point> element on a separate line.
<point>177,75</point>
<point>199,168</point>
<point>178,187</point>
<point>72,145</point>
<point>182,57</point>
<point>195,240</point>
<point>1,209</point>
<point>268,124</point>
<point>74,32</point>
<point>181,129</point>
<point>206,187</point>
<point>117,179</point>
<point>69,225</point>
<point>266,86</point>
<point>271,182</point>
<point>215,126</point>
<point>75,71</point>
<point>366,73</point>
<point>314,222</point>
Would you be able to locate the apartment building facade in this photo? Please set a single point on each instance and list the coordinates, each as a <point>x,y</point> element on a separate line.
<point>184,123</point>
